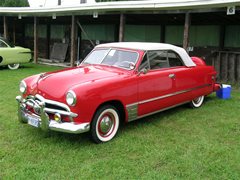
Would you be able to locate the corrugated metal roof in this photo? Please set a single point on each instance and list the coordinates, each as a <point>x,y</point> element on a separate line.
<point>122,6</point>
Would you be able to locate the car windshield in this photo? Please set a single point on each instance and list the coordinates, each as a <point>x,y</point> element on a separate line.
<point>7,42</point>
<point>113,57</point>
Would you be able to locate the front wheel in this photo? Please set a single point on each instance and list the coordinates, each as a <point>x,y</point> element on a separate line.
<point>105,124</point>
<point>13,66</point>
<point>197,102</point>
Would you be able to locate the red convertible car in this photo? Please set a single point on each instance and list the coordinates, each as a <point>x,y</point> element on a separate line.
<point>117,82</point>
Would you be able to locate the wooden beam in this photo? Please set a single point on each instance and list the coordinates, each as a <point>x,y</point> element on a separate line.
<point>35,39</point>
<point>73,41</point>
<point>5,27</point>
<point>186,30</point>
<point>121,27</point>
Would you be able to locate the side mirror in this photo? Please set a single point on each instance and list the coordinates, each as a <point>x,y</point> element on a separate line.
<point>143,71</point>
<point>131,65</point>
<point>78,62</point>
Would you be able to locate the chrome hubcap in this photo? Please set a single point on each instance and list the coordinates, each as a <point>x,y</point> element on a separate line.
<point>106,125</point>
<point>13,65</point>
<point>197,100</point>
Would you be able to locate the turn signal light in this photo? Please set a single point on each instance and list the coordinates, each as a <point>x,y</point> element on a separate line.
<point>57,117</point>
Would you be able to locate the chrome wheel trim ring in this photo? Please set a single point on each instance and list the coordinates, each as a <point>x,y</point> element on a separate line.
<point>197,102</point>
<point>13,66</point>
<point>107,125</point>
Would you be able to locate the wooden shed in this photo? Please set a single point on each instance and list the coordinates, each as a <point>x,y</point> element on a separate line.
<point>209,28</point>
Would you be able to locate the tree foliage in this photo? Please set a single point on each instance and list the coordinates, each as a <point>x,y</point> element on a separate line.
<point>14,3</point>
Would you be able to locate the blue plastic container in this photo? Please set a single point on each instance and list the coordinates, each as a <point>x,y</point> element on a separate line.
<point>224,92</point>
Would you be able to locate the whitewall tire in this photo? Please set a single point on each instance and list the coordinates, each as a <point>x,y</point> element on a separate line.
<point>197,102</point>
<point>105,124</point>
<point>13,66</point>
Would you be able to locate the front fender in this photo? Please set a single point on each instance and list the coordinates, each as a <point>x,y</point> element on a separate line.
<point>92,94</point>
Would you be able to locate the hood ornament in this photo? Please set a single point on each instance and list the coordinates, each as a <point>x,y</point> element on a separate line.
<point>42,75</point>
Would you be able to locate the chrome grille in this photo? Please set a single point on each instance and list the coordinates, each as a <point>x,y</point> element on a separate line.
<point>50,106</point>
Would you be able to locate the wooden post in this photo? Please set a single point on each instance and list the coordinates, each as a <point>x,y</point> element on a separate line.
<point>217,62</point>
<point>231,67</point>
<point>121,27</point>
<point>224,67</point>
<point>186,30</point>
<point>217,66</point>
<point>23,41</point>
<point>5,27</point>
<point>238,68</point>
<point>35,39</point>
<point>14,31</point>
<point>73,41</point>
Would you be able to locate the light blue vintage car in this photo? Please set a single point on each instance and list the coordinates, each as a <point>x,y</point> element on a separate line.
<point>12,56</point>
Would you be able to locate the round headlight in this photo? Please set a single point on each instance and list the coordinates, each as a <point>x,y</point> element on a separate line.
<point>22,87</point>
<point>71,98</point>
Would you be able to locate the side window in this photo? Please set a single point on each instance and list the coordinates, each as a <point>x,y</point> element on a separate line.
<point>174,59</point>
<point>158,59</point>
<point>144,63</point>
<point>2,44</point>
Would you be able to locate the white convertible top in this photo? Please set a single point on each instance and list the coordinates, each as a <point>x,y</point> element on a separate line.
<point>152,46</point>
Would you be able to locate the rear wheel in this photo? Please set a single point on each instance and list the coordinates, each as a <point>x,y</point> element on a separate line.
<point>105,124</point>
<point>197,102</point>
<point>13,66</point>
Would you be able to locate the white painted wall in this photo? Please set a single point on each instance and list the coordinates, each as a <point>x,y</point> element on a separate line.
<point>53,3</point>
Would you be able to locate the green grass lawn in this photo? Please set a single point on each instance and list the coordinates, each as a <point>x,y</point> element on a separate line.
<point>180,143</point>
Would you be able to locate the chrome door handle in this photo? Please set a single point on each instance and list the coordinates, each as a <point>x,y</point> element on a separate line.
<point>171,76</point>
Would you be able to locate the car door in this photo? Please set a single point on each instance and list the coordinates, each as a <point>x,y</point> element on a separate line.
<point>184,78</point>
<point>8,54</point>
<point>3,47</point>
<point>156,85</point>
<point>189,82</point>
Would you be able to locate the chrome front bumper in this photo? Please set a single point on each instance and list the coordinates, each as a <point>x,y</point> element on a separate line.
<point>45,123</point>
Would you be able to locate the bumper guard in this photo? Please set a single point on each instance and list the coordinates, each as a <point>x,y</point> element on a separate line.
<point>45,123</point>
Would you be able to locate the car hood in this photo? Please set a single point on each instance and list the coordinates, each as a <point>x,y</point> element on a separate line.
<point>56,84</point>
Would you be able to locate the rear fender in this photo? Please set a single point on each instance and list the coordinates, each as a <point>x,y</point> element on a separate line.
<point>198,61</point>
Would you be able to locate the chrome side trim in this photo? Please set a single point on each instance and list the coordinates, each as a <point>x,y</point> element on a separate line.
<point>173,94</point>
<point>158,111</point>
<point>132,109</point>
<point>170,107</point>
